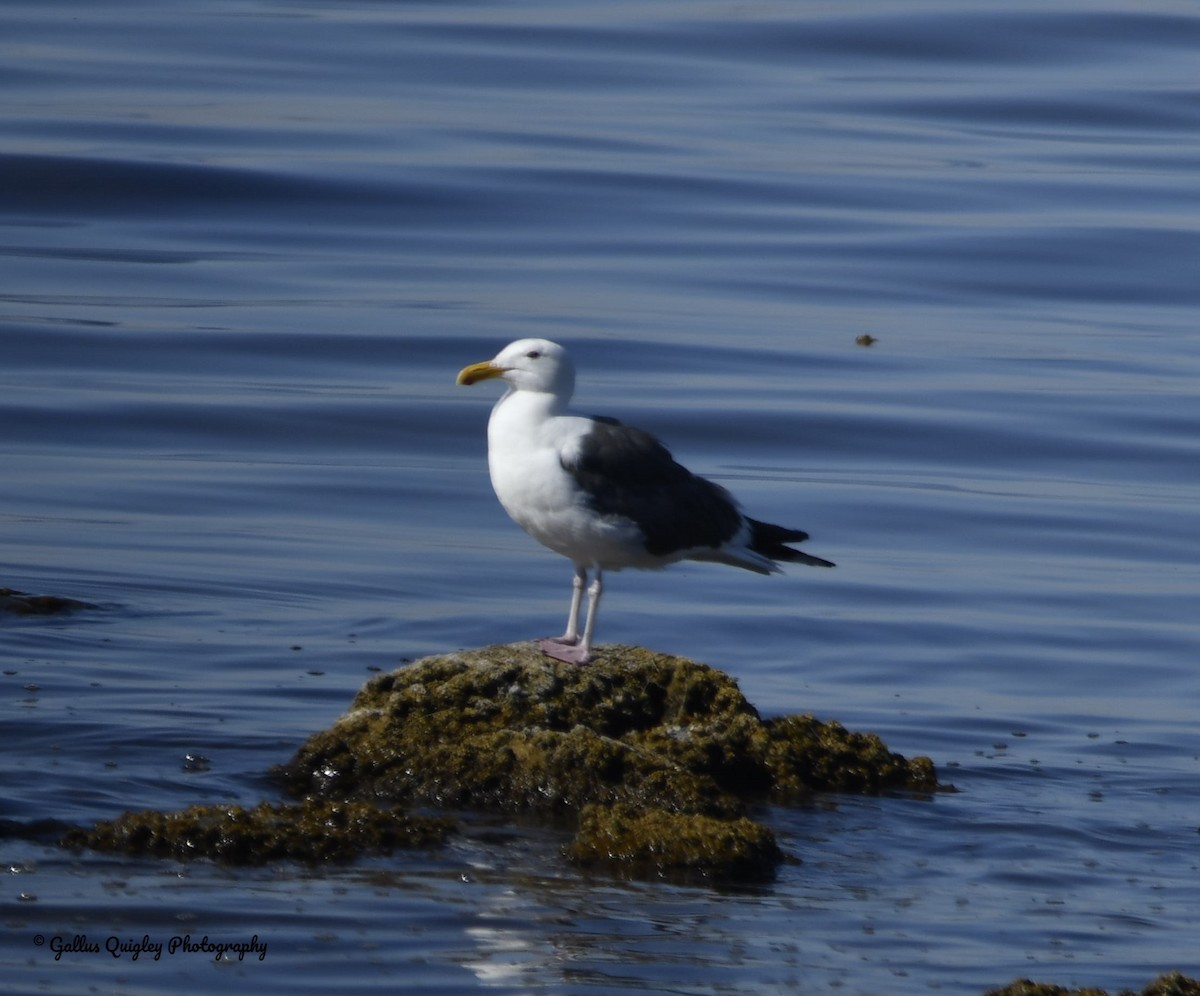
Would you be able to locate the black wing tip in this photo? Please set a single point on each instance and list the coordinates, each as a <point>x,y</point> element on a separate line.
<point>771,541</point>
<point>799,557</point>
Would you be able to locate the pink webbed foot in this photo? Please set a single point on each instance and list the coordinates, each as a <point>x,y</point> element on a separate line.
<point>560,650</point>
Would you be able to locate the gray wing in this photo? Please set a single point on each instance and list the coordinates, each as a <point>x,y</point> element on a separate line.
<point>626,472</point>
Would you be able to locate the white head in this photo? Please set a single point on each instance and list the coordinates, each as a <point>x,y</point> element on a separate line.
<point>537,365</point>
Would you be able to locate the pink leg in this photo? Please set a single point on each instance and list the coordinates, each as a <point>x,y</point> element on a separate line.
<point>571,636</point>
<point>568,647</point>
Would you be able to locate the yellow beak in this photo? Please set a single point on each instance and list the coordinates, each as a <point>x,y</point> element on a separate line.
<point>477,372</point>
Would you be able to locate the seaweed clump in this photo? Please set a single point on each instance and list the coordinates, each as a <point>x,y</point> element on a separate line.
<point>1170,984</point>
<point>314,831</point>
<point>653,758</point>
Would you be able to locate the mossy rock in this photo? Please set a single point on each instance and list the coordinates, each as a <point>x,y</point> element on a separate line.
<point>805,753</point>
<point>313,831</point>
<point>1172,984</point>
<point>506,728</point>
<point>654,842</point>
<point>1169,984</point>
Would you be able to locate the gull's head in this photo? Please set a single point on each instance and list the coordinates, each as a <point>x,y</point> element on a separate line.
<point>527,365</point>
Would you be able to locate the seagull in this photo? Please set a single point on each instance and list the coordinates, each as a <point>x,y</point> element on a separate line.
<point>603,494</point>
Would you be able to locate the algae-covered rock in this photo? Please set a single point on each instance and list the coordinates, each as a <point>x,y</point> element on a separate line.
<point>1172,984</point>
<point>1169,984</point>
<point>507,728</point>
<point>657,842</point>
<point>313,831</point>
<point>805,753</point>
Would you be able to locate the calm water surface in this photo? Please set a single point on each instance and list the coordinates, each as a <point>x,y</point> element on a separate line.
<point>244,248</point>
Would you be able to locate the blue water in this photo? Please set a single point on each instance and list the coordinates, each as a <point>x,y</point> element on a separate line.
<point>245,248</point>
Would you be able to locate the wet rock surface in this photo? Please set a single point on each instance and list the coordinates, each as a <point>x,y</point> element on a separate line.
<point>647,842</point>
<point>654,762</point>
<point>313,831</point>
<point>654,759</point>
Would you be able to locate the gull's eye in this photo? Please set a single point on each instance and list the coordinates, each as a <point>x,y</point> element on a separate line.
<point>533,354</point>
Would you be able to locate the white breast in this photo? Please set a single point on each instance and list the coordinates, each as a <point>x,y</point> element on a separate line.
<point>526,442</point>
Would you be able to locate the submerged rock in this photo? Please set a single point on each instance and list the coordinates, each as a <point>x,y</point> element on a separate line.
<point>653,758</point>
<point>20,604</point>
<point>314,831</point>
